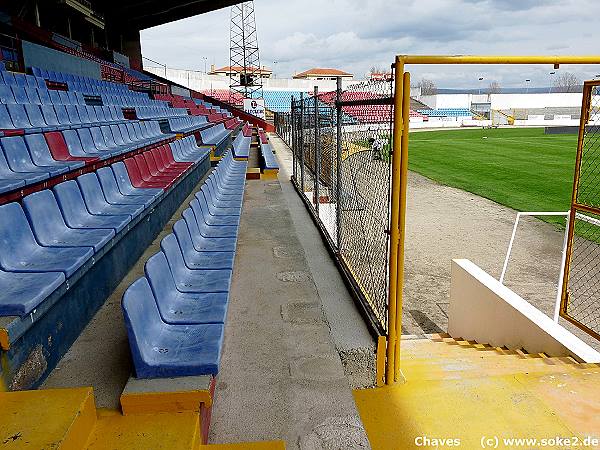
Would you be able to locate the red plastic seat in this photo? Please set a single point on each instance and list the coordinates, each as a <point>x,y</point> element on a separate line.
<point>160,153</point>
<point>60,152</point>
<point>156,170</point>
<point>138,181</point>
<point>147,174</point>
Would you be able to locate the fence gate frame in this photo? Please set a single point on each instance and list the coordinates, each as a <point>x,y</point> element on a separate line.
<point>578,207</point>
<point>400,143</point>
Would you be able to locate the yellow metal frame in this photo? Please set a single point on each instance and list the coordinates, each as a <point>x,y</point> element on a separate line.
<point>576,206</point>
<point>400,177</point>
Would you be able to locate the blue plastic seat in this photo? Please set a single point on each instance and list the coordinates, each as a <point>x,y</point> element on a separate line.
<point>182,307</point>
<point>199,226</point>
<point>63,117</point>
<point>201,210</point>
<point>36,118</point>
<point>219,202</point>
<point>96,201</point>
<point>16,163</point>
<point>75,213</point>
<point>50,228</point>
<point>6,95</point>
<point>74,115</point>
<point>44,96</point>
<point>164,350</point>
<point>115,196</point>
<point>5,120</point>
<point>19,94</point>
<point>201,260</point>
<point>55,97</point>
<point>41,156</point>
<point>77,149</point>
<point>19,251</point>
<point>23,292</point>
<point>20,120</point>
<point>192,280</point>
<point>125,185</point>
<point>208,242</point>
<point>215,210</point>
<point>49,115</point>
<point>19,159</point>
<point>32,95</point>
<point>89,144</point>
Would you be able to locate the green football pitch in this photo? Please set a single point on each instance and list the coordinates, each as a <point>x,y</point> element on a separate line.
<point>524,169</point>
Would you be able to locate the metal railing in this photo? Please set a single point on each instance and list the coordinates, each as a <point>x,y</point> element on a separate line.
<point>341,143</point>
<point>581,281</point>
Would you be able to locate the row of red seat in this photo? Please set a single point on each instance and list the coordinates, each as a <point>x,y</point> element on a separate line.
<point>232,123</point>
<point>156,168</point>
<point>247,130</point>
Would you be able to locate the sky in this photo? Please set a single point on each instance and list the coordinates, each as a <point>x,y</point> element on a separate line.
<point>355,35</point>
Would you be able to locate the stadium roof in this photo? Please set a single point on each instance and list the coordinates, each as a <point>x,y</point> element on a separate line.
<point>134,14</point>
<point>316,72</point>
<point>150,13</point>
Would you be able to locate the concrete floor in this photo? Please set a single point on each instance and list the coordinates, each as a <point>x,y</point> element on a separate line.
<point>281,376</point>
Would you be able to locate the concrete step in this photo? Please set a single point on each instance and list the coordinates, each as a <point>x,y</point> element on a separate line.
<point>438,358</point>
<point>171,431</point>
<point>519,405</point>
<point>264,445</point>
<point>52,418</point>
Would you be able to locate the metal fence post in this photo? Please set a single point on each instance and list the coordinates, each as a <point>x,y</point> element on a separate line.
<point>338,180</point>
<point>301,142</point>
<point>292,142</point>
<point>317,162</point>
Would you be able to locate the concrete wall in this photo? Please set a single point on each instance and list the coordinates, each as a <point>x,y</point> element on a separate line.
<point>484,310</point>
<point>510,101</point>
<point>36,55</point>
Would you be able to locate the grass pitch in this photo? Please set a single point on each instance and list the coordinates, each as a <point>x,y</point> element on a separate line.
<point>523,169</point>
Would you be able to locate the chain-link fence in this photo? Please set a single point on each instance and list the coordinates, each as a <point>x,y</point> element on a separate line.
<point>581,290</point>
<point>341,143</point>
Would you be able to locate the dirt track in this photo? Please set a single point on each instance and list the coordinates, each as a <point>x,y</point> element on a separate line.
<point>445,223</point>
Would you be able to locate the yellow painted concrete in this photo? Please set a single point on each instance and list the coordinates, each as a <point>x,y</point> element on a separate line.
<point>155,402</point>
<point>52,418</point>
<point>172,431</point>
<point>467,391</point>
<point>269,174</point>
<point>266,445</point>
<point>4,339</point>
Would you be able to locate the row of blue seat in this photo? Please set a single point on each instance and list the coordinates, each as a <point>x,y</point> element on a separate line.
<point>36,118</point>
<point>39,96</point>
<point>55,232</point>
<point>241,145</point>
<point>214,135</point>
<point>64,77</point>
<point>158,112</point>
<point>130,101</point>
<point>28,160</point>
<point>21,79</point>
<point>187,124</point>
<point>268,157</point>
<point>175,314</point>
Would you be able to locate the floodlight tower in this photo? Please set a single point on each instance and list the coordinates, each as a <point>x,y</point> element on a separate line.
<point>244,61</point>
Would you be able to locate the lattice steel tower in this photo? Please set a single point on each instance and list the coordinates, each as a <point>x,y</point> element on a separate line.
<point>244,61</point>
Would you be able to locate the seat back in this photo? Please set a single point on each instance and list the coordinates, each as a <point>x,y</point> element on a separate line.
<point>16,237</point>
<point>43,213</point>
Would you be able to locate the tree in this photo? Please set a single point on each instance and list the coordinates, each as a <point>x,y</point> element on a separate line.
<point>494,88</point>
<point>428,87</point>
<point>567,82</point>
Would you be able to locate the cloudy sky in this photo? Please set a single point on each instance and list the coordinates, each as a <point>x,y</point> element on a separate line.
<point>355,35</point>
